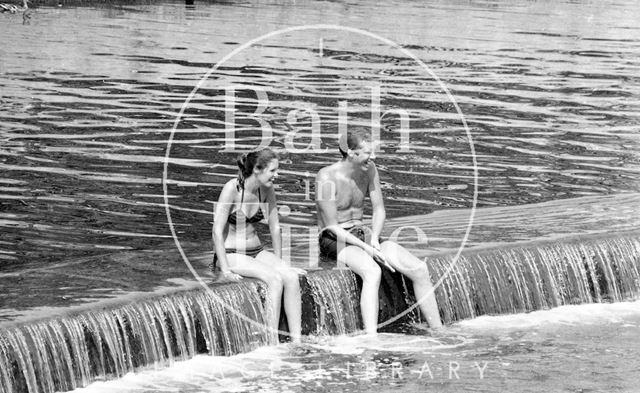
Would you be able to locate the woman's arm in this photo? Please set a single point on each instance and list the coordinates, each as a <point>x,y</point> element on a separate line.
<point>221,215</point>
<point>274,222</point>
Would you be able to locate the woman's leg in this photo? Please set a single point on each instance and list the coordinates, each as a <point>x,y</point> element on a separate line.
<point>247,266</point>
<point>409,265</point>
<point>292,297</point>
<point>364,266</point>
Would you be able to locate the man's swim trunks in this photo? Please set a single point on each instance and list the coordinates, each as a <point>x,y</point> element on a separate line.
<point>329,242</point>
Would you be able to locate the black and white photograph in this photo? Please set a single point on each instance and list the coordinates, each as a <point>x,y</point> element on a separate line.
<point>319,196</point>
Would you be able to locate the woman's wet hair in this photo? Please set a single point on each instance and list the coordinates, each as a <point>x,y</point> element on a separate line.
<point>256,159</point>
<point>352,140</point>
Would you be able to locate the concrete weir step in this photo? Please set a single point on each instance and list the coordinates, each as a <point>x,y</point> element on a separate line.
<point>61,348</point>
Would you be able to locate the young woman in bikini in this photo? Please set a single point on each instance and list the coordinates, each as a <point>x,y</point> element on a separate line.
<point>238,251</point>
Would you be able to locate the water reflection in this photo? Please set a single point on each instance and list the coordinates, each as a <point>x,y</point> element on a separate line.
<point>89,95</point>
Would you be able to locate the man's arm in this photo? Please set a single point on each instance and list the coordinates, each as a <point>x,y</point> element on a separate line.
<point>377,204</point>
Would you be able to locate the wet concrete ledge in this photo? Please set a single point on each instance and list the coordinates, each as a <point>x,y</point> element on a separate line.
<point>392,299</point>
<point>41,294</point>
<point>616,254</point>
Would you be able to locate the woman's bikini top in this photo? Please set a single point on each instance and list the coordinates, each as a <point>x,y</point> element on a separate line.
<point>259,216</point>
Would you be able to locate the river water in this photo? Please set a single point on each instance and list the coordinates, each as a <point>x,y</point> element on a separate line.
<point>586,348</point>
<point>90,95</point>
<point>539,99</point>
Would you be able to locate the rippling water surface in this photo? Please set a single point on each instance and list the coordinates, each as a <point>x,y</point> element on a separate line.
<point>90,94</point>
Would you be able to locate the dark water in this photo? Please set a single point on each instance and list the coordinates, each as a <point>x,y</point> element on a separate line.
<point>89,95</point>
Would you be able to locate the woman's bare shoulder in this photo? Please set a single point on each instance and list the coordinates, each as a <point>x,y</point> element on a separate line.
<point>229,189</point>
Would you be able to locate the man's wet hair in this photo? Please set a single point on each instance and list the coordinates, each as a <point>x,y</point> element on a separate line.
<point>352,140</point>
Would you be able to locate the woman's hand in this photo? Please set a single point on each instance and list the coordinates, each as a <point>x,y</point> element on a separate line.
<point>229,276</point>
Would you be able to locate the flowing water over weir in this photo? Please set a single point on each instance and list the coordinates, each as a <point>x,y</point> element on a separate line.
<point>334,298</point>
<point>64,353</point>
<point>522,278</point>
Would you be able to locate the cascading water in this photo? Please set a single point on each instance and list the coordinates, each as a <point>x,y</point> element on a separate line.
<point>336,308</point>
<point>522,278</point>
<point>65,353</point>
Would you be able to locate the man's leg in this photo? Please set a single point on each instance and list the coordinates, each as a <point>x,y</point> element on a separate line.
<point>409,265</point>
<point>365,267</point>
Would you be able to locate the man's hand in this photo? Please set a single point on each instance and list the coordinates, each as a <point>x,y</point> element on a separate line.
<point>375,242</point>
<point>377,254</point>
<point>381,259</point>
<point>299,271</point>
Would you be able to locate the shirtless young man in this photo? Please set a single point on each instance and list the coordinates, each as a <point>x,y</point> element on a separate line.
<point>341,189</point>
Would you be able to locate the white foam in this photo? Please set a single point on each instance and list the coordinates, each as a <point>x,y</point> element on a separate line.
<point>355,345</point>
<point>583,314</point>
<point>218,372</point>
<point>278,367</point>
